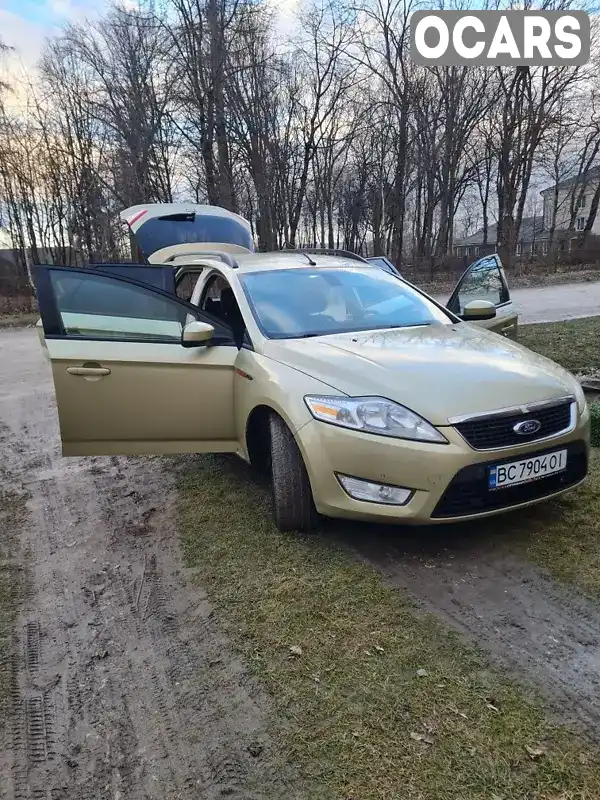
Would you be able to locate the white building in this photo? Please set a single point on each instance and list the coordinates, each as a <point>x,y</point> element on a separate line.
<point>580,189</point>
<point>534,234</point>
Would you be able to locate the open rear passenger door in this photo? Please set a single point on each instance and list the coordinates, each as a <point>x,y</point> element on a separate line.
<point>485,280</point>
<point>136,370</point>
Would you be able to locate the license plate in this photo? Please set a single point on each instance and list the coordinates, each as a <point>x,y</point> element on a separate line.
<point>528,469</point>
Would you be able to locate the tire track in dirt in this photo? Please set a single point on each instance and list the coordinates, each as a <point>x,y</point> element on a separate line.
<point>124,684</point>
<point>499,601</point>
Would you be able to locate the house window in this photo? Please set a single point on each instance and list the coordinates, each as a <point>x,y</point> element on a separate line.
<point>544,248</point>
<point>580,223</point>
<point>581,201</point>
<point>519,249</point>
<point>547,213</point>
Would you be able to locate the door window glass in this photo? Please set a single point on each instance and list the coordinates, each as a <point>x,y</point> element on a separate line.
<point>482,282</point>
<point>94,305</point>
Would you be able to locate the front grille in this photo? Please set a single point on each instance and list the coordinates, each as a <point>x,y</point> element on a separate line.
<point>492,432</point>
<point>468,491</point>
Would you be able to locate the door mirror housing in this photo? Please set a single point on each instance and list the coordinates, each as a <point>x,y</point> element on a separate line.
<point>478,310</point>
<point>196,333</point>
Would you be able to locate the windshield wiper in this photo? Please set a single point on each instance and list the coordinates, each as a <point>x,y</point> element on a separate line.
<point>358,330</point>
<point>407,325</point>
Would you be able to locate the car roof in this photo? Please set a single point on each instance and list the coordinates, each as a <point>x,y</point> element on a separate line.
<point>281,259</point>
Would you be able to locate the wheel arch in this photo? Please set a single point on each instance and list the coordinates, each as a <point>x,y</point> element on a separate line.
<point>257,435</point>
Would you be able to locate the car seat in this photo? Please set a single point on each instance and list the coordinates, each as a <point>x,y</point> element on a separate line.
<point>232,315</point>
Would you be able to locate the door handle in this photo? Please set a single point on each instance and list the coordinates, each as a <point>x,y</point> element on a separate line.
<point>89,371</point>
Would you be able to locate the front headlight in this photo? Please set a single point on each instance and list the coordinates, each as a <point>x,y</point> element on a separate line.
<point>373,415</point>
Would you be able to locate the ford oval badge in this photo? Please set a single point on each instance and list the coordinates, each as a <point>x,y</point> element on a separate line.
<point>527,427</point>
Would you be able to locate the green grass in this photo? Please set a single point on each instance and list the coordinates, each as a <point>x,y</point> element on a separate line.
<point>353,711</point>
<point>574,344</point>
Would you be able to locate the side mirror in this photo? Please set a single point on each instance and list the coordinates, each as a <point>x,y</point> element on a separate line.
<point>196,333</point>
<point>478,310</point>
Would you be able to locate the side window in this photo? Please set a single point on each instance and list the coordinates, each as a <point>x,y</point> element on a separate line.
<point>185,285</point>
<point>483,281</point>
<point>106,308</point>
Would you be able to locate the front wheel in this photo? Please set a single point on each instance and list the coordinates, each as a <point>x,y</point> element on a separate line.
<point>293,505</point>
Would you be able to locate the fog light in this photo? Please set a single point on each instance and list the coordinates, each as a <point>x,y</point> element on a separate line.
<point>375,492</point>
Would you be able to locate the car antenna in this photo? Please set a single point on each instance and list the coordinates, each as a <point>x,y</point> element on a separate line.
<point>309,259</point>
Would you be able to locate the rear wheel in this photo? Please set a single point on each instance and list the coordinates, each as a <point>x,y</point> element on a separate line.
<point>293,505</point>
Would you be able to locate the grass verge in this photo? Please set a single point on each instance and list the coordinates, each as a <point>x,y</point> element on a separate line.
<point>379,700</point>
<point>574,343</point>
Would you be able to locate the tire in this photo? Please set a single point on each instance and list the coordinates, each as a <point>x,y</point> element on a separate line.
<point>293,505</point>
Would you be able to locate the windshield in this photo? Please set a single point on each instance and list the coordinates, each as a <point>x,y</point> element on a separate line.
<point>159,232</point>
<point>293,303</point>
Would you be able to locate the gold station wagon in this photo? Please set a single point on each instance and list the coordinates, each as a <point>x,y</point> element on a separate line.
<point>362,396</point>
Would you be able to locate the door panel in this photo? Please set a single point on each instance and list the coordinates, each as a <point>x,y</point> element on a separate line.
<point>123,381</point>
<point>157,398</point>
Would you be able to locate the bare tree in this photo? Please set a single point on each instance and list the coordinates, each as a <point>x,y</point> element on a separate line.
<point>131,85</point>
<point>529,102</point>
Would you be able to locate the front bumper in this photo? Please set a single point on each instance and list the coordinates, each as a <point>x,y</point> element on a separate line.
<point>448,481</point>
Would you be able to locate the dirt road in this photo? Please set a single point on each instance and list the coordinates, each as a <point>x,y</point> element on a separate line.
<point>123,682</point>
<point>554,303</point>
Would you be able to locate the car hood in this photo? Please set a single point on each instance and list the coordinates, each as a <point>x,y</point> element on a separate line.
<point>439,371</point>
